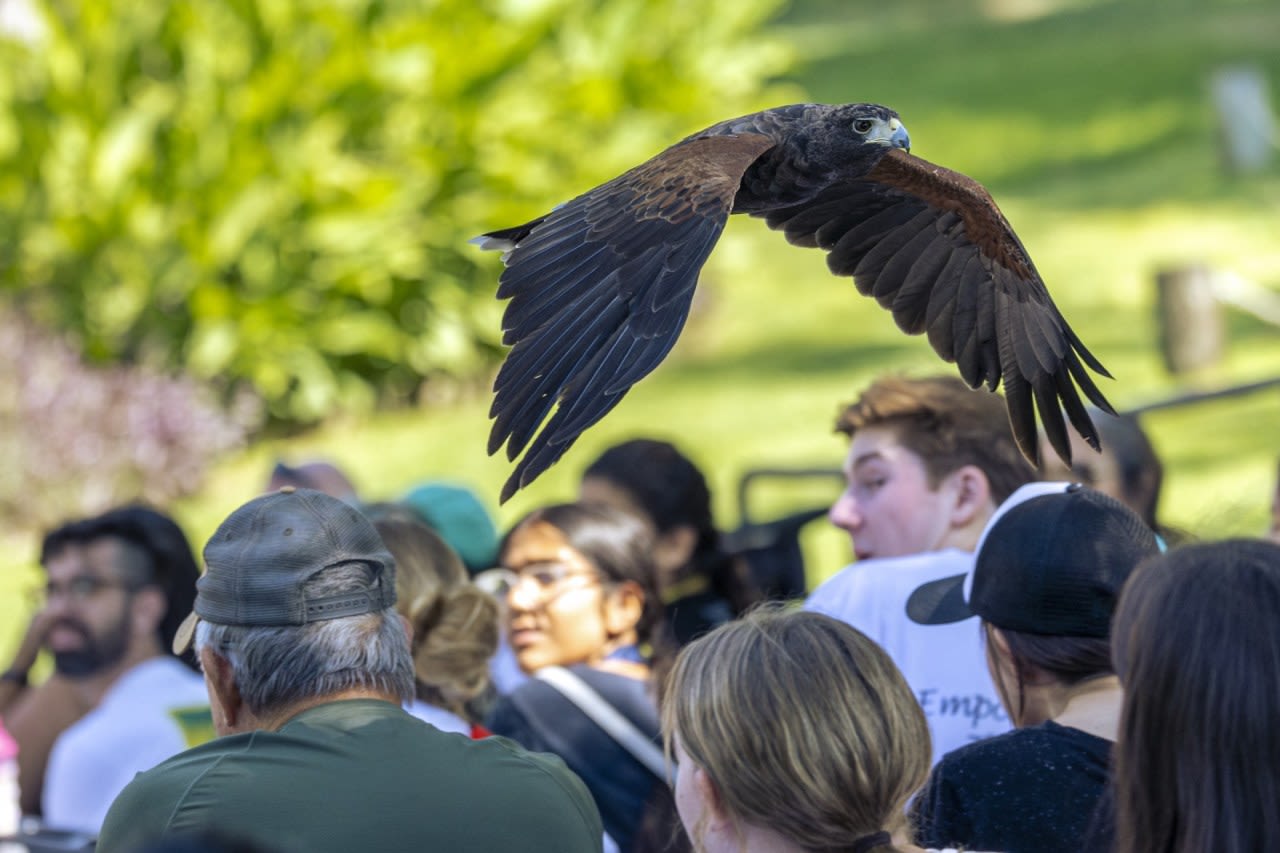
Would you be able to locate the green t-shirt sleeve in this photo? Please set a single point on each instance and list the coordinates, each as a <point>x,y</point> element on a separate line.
<point>563,808</point>
<point>136,817</point>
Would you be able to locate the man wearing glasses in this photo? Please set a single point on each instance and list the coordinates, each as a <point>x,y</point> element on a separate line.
<point>117,585</point>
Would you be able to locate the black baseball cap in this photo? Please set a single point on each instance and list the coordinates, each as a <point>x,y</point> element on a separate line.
<point>1051,563</point>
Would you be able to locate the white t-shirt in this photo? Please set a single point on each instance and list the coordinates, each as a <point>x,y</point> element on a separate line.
<point>445,721</point>
<point>945,665</point>
<point>157,709</point>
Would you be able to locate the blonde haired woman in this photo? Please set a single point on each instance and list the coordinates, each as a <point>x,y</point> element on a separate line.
<point>455,623</point>
<point>793,732</point>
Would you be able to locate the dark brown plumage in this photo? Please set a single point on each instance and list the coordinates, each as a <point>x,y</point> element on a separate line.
<point>600,287</point>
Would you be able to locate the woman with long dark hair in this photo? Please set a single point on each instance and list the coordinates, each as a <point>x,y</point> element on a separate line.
<point>1197,643</point>
<point>1045,580</point>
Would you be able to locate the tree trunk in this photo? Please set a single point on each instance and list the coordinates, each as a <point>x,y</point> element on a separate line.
<point>1190,318</point>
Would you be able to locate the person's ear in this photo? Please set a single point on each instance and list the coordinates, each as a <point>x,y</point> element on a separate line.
<point>224,695</point>
<point>1146,492</point>
<point>147,609</point>
<point>716,820</point>
<point>971,495</point>
<point>623,607</point>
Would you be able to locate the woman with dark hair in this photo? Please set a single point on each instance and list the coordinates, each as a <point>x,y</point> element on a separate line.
<point>701,585</point>
<point>582,608</point>
<point>1045,580</point>
<point>1197,644</point>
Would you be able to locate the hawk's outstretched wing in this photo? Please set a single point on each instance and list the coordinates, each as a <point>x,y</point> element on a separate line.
<point>600,289</point>
<point>931,246</point>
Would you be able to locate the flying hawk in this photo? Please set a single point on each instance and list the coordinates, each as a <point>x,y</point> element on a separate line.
<point>600,287</point>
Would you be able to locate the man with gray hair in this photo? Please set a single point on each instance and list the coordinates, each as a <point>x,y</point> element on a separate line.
<point>307,665</point>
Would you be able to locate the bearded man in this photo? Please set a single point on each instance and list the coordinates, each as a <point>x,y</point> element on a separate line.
<point>116,587</point>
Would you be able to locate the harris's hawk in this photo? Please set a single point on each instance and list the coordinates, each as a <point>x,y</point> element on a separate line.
<point>600,287</point>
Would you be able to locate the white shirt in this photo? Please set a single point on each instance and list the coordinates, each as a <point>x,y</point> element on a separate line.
<point>945,665</point>
<point>154,710</point>
<point>445,721</point>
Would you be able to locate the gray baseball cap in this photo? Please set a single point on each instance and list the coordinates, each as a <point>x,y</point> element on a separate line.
<point>261,557</point>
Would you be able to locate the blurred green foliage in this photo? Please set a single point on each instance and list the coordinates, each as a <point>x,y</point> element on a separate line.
<point>278,194</point>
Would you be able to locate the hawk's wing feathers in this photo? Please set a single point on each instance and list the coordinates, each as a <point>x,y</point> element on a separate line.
<point>931,246</point>
<point>600,289</point>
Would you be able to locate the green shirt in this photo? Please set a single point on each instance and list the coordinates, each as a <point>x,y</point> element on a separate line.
<point>359,775</point>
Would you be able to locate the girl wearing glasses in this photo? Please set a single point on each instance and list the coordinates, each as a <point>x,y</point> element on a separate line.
<point>580,595</point>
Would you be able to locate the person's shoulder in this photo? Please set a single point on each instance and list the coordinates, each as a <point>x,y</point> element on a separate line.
<point>531,696</point>
<point>887,576</point>
<point>835,595</point>
<point>438,718</point>
<point>155,697</point>
<point>169,774</point>
<point>510,715</point>
<point>1015,752</point>
<point>537,691</point>
<point>961,789</point>
<point>159,683</point>
<point>982,755</point>
<point>516,775</point>
<point>607,680</point>
<point>143,808</point>
<point>626,694</point>
<point>926,566</point>
<point>1069,737</point>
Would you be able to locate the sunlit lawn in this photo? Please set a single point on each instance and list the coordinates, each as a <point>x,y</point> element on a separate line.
<point>1090,123</point>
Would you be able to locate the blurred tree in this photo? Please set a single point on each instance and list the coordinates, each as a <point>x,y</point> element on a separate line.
<point>278,193</point>
<point>76,440</point>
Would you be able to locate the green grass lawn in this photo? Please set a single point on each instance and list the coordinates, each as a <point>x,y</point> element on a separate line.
<point>1090,123</point>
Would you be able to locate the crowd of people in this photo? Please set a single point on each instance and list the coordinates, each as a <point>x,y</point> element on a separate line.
<point>1015,660</point>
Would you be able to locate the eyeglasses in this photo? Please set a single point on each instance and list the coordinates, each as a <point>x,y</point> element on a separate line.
<point>544,581</point>
<point>79,590</point>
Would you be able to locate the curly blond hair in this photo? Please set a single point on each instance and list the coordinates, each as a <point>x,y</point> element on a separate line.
<point>455,624</point>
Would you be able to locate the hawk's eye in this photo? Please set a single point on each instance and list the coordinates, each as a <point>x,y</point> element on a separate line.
<point>863,125</point>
